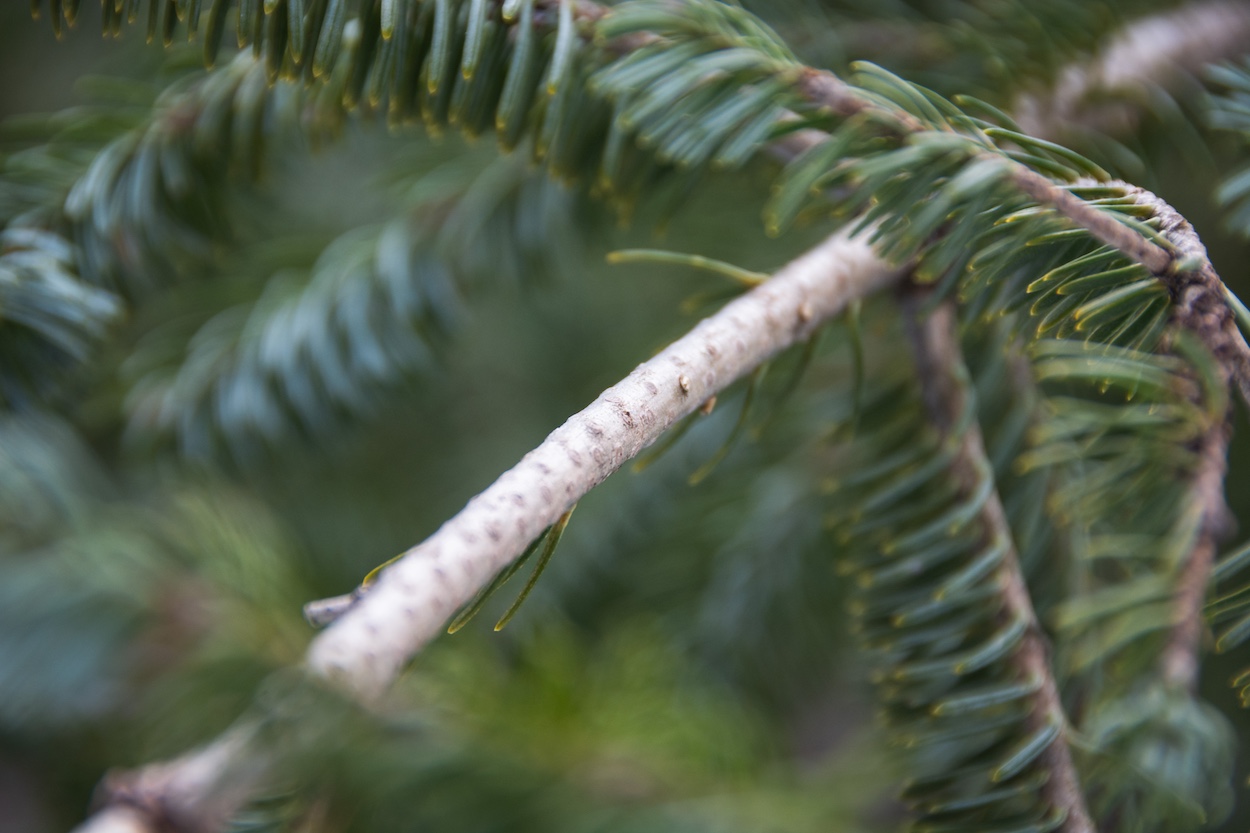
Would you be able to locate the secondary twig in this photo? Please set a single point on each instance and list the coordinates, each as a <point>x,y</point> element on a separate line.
<point>937,354</point>
<point>1179,660</point>
<point>827,90</point>
<point>1199,308</point>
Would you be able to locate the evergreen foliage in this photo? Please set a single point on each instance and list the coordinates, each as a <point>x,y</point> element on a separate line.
<point>1011,471</point>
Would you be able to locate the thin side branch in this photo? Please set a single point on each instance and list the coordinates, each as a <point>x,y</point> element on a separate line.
<point>937,354</point>
<point>1180,658</point>
<point>412,600</point>
<point>1100,224</point>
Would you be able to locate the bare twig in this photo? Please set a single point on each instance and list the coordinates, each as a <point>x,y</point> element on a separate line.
<point>381,628</point>
<point>937,355</point>
<point>413,599</point>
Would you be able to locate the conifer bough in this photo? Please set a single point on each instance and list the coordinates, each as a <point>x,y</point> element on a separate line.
<point>1109,289</point>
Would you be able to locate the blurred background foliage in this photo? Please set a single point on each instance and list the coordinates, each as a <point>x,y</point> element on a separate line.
<point>685,662</point>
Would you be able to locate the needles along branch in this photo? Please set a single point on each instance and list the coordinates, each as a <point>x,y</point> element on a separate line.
<point>645,97</point>
<point>938,186</point>
<point>1044,755</point>
<point>1176,258</point>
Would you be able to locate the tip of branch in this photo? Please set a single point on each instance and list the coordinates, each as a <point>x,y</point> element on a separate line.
<point>116,819</point>
<point>322,612</point>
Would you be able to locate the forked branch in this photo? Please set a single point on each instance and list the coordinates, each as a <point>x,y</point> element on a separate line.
<point>1183,266</point>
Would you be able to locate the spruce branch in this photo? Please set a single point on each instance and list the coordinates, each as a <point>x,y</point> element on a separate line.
<point>937,355</point>
<point>1180,264</point>
<point>383,627</point>
<point>1179,662</point>
<point>1198,311</point>
<point>825,89</point>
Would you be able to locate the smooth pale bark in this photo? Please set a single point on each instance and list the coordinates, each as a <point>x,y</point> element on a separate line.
<point>413,599</point>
